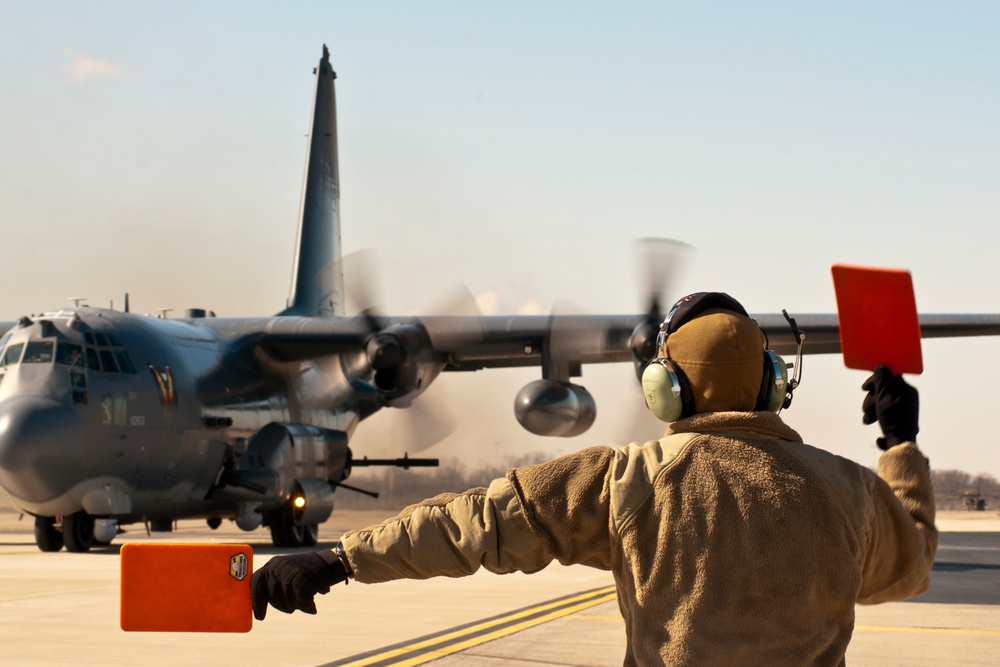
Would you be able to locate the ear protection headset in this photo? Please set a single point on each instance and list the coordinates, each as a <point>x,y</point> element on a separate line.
<point>668,394</point>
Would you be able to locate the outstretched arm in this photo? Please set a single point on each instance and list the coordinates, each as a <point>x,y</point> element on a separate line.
<point>538,513</point>
<point>449,535</point>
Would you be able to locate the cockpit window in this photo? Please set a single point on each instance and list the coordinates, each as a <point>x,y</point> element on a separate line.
<point>102,340</point>
<point>3,341</point>
<point>124,362</point>
<point>89,337</point>
<point>108,361</point>
<point>93,361</point>
<point>113,340</point>
<point>12,355</point>
<point>69,354</point>
<point>39,352</point>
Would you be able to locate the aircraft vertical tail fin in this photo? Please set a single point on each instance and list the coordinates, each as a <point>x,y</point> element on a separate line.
<point>318,279</point>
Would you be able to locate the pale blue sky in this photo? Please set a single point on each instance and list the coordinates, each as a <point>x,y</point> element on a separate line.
<point>519,148</point>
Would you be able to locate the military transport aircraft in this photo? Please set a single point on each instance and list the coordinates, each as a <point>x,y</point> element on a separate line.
<point>110,418</point>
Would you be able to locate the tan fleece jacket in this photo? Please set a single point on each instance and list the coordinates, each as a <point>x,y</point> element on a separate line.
<point>731,542</point>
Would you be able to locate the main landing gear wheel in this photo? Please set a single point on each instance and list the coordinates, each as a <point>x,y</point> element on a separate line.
<point>47,536</point>
<point>78,532</point>
<point>284,532</point>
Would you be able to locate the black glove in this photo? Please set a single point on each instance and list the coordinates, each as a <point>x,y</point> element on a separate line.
<point>290,582</point>
<point>893,404</point>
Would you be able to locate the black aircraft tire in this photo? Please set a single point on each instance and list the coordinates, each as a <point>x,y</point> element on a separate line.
<point>310,535</point>
<point>47,536</point>
<point>278,534</point>
<point>78,532</point>
<point>284,532</point>
<point>288,535</point>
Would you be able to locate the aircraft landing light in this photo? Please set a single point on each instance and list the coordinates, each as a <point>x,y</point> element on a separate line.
<point>432,647</point>
<point>300,502</point>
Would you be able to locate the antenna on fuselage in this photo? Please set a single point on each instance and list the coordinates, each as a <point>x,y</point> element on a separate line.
<point>76,300</point>
<point>126,302</point>
<point>162,312</point>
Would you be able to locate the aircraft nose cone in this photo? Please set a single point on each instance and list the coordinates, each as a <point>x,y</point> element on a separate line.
<point>39,442</point>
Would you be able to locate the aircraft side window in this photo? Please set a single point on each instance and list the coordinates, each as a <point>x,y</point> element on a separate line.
<point>89,338</point>
<point>107,408</point>
<point>69,354</point>
<point>108,361</point>
<point>121,410</point>
<point>124,362</point>
<point>80,397</point>
<point>3,341</point>
<point>102,340</point>
<point>77,380</point>
<point>38,352</point>
<point>12,354</point>
<point>93,361</point>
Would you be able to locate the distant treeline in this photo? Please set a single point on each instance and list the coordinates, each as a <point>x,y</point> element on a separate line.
<point>955,490</point>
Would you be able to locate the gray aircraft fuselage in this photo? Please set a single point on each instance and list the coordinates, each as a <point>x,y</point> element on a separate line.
<point>132,416</point>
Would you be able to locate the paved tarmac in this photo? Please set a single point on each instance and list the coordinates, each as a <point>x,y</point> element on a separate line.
<point>62,609</point>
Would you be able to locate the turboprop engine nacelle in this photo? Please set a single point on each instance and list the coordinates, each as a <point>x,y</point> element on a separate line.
<point>312,502</point>
<point>284,461</point>
<point>550,407</point>
<point>403,359</point>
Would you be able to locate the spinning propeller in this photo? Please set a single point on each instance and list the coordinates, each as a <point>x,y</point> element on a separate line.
<point>403,356</point>
<point>663,262</point>
<point>555,406</point>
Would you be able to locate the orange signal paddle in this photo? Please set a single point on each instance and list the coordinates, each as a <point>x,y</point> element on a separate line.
<point>186,587</point>
<point>877,313</point>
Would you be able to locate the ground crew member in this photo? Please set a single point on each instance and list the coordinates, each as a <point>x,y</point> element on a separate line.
<point>731,542</point>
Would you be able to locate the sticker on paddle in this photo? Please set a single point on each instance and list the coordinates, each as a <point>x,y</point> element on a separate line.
<point>877,314</point>
<point>186,587</point>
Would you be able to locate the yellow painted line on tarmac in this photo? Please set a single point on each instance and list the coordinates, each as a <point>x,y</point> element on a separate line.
<point>421,651</point>
<point>931,631</point>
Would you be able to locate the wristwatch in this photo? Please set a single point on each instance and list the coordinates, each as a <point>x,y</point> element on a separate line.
<point>341,555</point>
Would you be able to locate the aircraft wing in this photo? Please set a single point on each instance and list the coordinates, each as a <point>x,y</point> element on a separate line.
<point>472,343</point>
<point>823,334</point>
<point>516,340</point>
